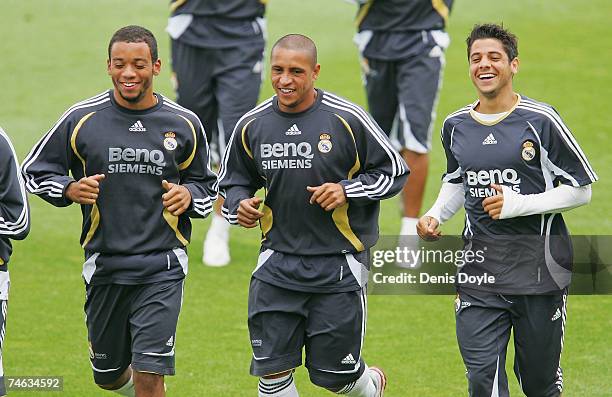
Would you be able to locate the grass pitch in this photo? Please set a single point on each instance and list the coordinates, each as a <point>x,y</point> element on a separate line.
<point>54,54</point>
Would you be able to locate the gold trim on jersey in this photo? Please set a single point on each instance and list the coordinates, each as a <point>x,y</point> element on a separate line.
<point>1,261</point>
<point>489,123</point>
<point>187,162</point>
<point>266,221</point>
<point>177,4</point>
<point>73,138</point>
<point>173,223</point>
<point>244,143</point>
<point>442,9</point>
<point>340,214</point>
<point>363,12</point>
<point>264,2</point>
<point>95,222</point>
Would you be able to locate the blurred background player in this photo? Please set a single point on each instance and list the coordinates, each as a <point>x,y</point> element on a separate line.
<point>14,224</point>
<point>515,166</point>
<point>138,165</point>
<point>402,44</point>
<point>217,58</point>
<point>325,165</point>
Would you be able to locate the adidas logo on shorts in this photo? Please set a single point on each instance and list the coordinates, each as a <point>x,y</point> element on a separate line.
<point>490,140</point>
<point>556,316</point>
<point>348,360</point>
<point>170,341</point>
<point>137,127</point>
<point>293,130</point>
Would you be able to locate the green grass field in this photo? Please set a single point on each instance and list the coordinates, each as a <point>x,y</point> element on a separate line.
<point>53,54</point>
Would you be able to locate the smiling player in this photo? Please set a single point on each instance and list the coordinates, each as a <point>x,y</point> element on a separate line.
<point>139,169</point>
<point>325,165</point>
<point>515,166</point>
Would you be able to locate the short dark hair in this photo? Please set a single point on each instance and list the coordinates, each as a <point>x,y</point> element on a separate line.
<point>299,42</point>
<point>494,31</point>
<point>135,34</point>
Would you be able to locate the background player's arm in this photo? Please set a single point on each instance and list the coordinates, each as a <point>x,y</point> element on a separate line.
<point>14,211</point>
<point>451,197</point>
<point>383,170</point>
<point>239,180</point>
<point>199,181</point>
<point>46,168</point>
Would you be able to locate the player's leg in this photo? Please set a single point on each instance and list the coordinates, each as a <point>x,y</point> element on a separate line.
<point>335,331</point>
<point>192,77</point>
<point>381,92</point>
<point>483,330</point>
<point>276,328</point>
<point>238,77</point>
<point>153,321</point>
<point>538,340</point>
<point>419,80</point>
<point>107,309</point>
<point>4,306</point>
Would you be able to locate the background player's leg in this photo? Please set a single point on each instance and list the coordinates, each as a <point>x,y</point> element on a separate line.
<point>238,80</point>
<point>381,92</point>
<point>483,330</point>
<point>149,385</point>
<point>419,80</point>
<point>538,340</point>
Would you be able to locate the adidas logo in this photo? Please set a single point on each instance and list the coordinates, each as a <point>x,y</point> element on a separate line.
<point>556,316</point>
<point>490,140</point>
<point>293,130</point>
<point>137,127</point>
<point>170,341</point>
<point>348,359</point>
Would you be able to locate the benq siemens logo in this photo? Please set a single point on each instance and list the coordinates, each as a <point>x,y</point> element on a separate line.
<point>480,181</point>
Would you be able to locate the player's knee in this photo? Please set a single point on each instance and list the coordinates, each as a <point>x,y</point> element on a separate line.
<point>539,388</point>
<point>116,384</point>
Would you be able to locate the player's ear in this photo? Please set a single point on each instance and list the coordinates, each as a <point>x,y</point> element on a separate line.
<point>316,71</point>
<point>156,67</point>
<point>514,66</point>
<point>108,67</point>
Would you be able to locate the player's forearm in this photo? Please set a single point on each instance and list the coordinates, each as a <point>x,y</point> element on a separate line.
<point>450,200</point>
<point>233,196</point>
<point>559,199</point>
<point>202,198</point>
<point>373,187</point>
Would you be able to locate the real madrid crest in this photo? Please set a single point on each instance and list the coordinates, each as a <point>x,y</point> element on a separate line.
<point>170,140</point>
<point>325,145</point>
<point>528,152</point>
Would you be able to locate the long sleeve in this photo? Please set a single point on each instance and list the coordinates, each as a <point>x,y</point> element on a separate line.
<point>450,200</point>
<point>198,178</point>
<point>14,211</point>
<point>238,177</point>
<point>383,171</point>
<point>46,168</point>
<point>561,198</point>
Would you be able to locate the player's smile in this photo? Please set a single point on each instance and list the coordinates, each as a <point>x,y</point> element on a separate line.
<point>490,69</point>
<point>293,77</point>
<point>132,71</point>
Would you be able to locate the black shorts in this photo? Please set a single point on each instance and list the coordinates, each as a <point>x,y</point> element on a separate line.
<point>219,85</point>
<point>331,328</point>
<point>132,325</point>
<point>402,96</point>
<point>484,321</point>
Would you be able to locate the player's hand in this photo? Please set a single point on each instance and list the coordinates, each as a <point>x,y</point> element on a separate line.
<point>176,199</point>
<point>428,228</point>
<point>493,205</point>
<point>85,190</point>
<point>248,212</point>
<point>328,195</point>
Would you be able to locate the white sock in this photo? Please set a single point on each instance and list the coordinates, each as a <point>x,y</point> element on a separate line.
<point>409,226</point>
<point>362,387</point>
<point>279,387</point>
<point>219,226</point>
<point>127,389</point>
